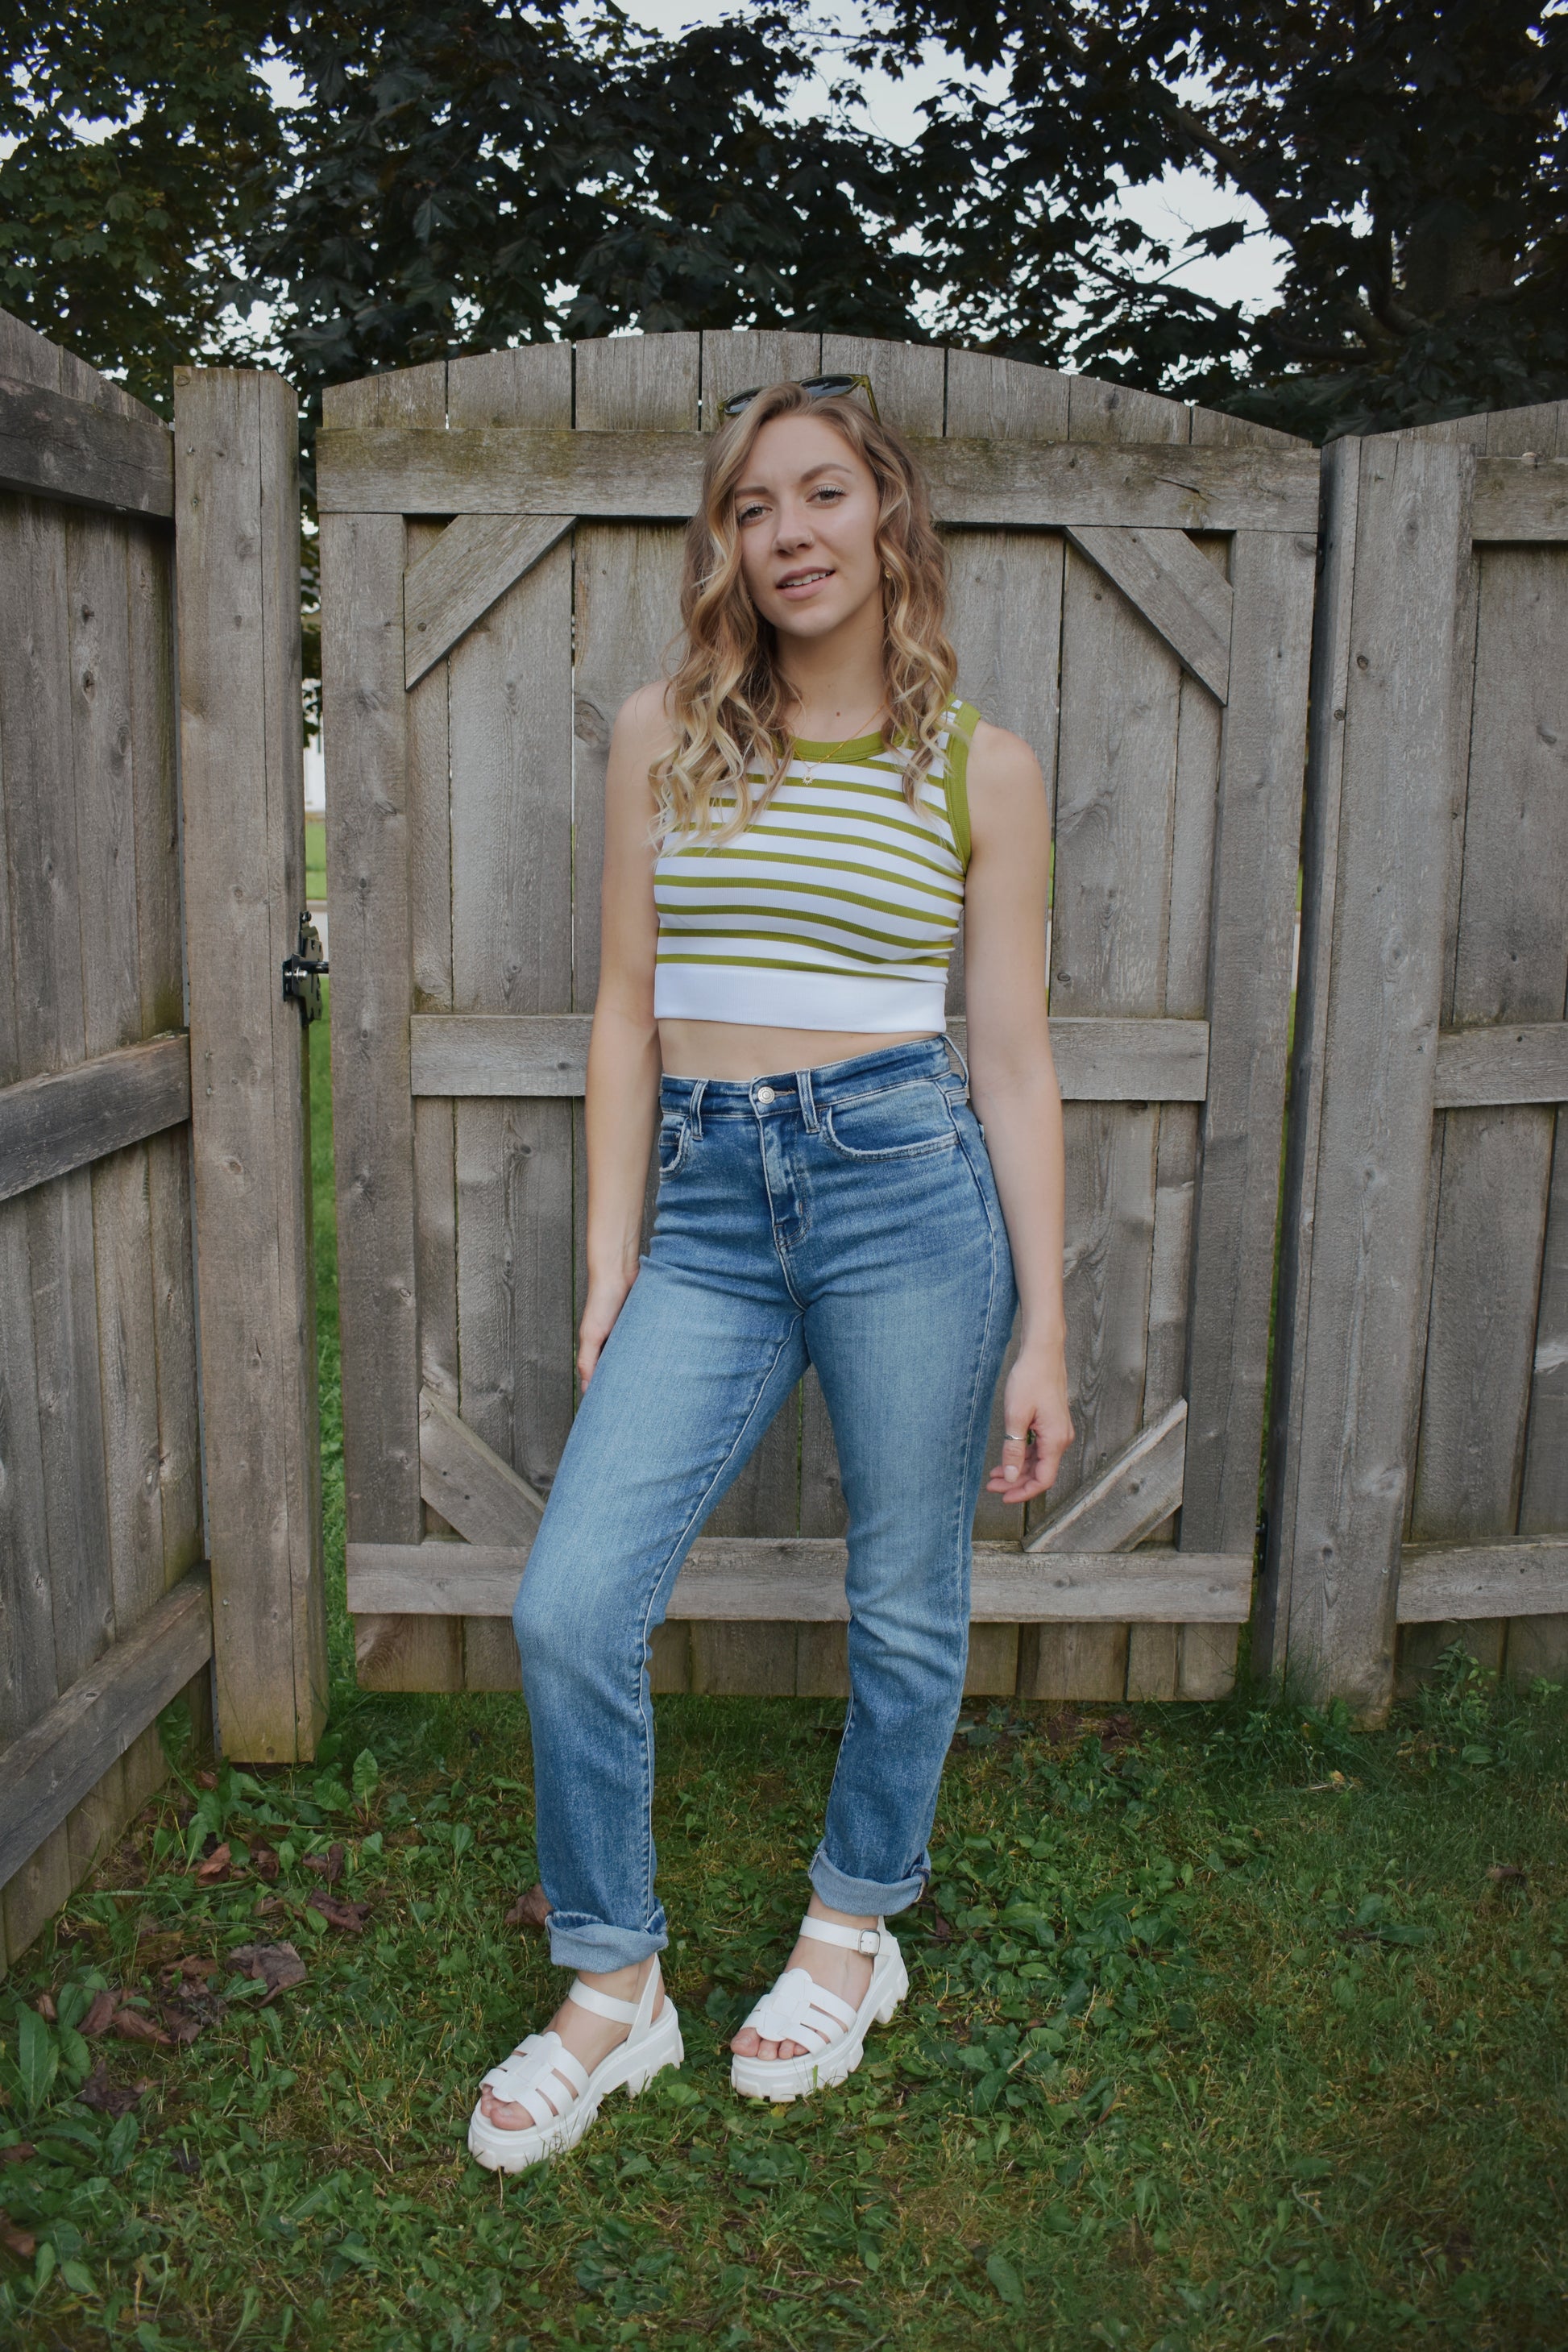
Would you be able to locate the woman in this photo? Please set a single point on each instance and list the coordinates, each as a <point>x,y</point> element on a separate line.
<point>793,824</point>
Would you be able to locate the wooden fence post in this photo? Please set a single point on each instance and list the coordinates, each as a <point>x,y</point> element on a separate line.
<point>1382,772</point>
<point>236,506</point>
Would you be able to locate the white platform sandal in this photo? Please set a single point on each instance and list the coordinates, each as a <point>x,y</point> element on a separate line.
<point>557,2089</point>
<point>831,2033</point>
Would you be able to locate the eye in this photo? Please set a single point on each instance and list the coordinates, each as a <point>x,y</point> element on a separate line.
<point>829,490</point>
<point>748,513</point>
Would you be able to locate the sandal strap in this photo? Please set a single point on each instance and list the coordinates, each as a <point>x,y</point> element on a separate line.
<point>871,1941</point>
<point>541,2077</point>
<point>798,2009</point>
<point>603,2004</point>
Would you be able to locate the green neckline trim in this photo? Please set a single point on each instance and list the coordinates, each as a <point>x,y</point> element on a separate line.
<point>858,745</point>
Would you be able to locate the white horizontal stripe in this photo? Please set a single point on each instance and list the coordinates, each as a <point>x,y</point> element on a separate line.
<point>799,1000</point>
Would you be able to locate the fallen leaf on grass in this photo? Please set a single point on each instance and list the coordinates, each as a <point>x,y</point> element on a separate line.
<point>277,1966</point>
<point>1062,1730</point>
<point>328,1865</point>
<point>206,1779</point>
<point>20,2242</point>
<point>214,1869</point>
<point>529,1910</point>
<point>19,2154</point>
<point>46,2010</point>
<point>1117,1731</point>
<point>131,2026</point>
<point>1501,1874</point>
<point>107,2098</point>
<point>99,2015</point>
<point>350,1916</point>
<point>266,1905</point>
<point>264,1863</point>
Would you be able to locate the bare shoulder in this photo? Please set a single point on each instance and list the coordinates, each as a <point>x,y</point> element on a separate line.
<point>642,724</point>
<point>1004,781</point>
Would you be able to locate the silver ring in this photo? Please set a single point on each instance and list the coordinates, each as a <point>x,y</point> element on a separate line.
<point>1015,1436</point>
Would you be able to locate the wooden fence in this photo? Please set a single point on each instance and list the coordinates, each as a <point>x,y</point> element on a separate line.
<point>1419,1462</point>
<point>109,1580</point>
<point>1134,594</point>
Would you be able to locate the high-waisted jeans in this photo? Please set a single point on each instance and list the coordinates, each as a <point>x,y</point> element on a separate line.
<point>845,1216</point>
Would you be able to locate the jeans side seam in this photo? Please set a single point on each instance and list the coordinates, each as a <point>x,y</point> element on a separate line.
<point>675,1554</point>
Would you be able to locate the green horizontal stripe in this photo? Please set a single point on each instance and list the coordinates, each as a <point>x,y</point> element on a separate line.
<point>784,866</point>
<point>787,834</point>
<point>874,966</point>
<point>743,914</point>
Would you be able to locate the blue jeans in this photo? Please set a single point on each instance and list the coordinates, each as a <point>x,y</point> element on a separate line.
<point>845,1216</point>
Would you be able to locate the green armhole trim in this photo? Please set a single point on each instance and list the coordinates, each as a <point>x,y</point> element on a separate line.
<point>965,720</point>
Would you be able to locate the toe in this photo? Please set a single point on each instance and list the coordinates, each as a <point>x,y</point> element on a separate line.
<point>745,2043</point>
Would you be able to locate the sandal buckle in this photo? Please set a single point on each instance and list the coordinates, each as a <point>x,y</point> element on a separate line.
<point>870,1942</point>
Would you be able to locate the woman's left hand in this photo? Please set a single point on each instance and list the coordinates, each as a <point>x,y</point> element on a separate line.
<point>1035,1415</point>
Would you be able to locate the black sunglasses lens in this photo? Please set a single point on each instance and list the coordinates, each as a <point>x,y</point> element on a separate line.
<point>824,387</point>
<point>738,400</point>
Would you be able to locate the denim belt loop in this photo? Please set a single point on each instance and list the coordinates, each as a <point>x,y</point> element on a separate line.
<point>694,1109</point>
<point>807,1101</point>
<point>962,1064</point>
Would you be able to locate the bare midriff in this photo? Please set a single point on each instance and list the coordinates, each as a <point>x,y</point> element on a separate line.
<point>730,1049</point>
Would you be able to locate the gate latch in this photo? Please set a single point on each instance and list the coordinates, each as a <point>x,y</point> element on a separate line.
<point>302,971</point>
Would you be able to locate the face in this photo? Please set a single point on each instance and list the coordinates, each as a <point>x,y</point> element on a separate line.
<point>806,509</point>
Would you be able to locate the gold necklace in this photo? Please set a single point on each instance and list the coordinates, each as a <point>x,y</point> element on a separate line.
<point>808,768</point>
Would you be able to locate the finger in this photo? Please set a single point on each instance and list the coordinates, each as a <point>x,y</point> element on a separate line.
<point>1016,1445</point>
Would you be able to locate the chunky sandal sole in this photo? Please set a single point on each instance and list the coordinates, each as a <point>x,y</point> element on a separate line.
<point>514,2151</point>
<point>779,2080</point>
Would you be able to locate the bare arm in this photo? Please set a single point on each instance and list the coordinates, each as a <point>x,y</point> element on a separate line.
<point>1014,1083</point>
<point>623,1050</point>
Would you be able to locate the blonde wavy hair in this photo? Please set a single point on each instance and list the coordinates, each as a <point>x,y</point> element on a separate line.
<point>730,702</point>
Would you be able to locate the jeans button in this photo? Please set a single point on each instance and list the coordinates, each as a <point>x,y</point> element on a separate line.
<point>764,1094</point>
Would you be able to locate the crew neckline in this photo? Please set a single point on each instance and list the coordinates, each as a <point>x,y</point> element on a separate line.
<point>858,746</point>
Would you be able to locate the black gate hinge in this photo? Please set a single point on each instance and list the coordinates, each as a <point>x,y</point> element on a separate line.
<point>302,971</point>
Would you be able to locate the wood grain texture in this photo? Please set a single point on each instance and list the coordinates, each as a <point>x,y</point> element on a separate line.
<point>747,1580</point>
<point>656,477</point>
<point>733,362</point>
<point>237,533</point>
<point>1351,1354</point>
<point>1521,500</point>
<point>1098,1059</point>
<point>49,1024</point>
<point>476,558</point>
<point>1509,965</point>
<point>1503,1062</point>
<point>512,855</point>
<point>908,380</point>
<point>367,717</point>
<point>475,1491</point>
<point>60,447</point>
<point>1179,593</point>
<point>62,1757</point>
<point>1451,1583</point>
<point>67,1119</point>
<point>1129,1498</point>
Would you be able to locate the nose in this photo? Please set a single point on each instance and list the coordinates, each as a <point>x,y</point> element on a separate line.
<point>791,531</point>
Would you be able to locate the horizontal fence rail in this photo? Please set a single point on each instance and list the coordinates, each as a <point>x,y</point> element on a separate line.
<point>50,1125</point>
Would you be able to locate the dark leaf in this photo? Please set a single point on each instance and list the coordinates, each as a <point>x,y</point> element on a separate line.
<point>98,2016</point>
<point>19,2153</point>
<point>214,1869</point>
<point>350,1916</point>
<point>277,1966</point>
<point>109,2098</point>
<point>131,2026</point>
<point>19,2241</point>
<point>46,2010</point>
<point>329,1864</point>
<point>529,1910</point>
<point>1508,1873</point>
<point>264,1863</point>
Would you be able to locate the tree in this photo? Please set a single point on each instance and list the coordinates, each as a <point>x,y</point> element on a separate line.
<point>147,146</point>
<point>1409,157</point>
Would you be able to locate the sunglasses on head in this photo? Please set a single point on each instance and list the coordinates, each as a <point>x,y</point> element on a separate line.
<point>819,387</point>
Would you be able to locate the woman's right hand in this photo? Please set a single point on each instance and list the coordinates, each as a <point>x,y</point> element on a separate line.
<point>606,1296</point>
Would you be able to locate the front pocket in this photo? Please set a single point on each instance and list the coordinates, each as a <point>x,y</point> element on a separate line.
<point>903,1123</point>
<point>673,1130</point>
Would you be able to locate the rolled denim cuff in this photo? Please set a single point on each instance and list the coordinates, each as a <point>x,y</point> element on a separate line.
<point>579,1941</point>
<point>867,1899</point>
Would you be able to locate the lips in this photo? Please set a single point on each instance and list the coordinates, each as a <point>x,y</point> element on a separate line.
<point>804,579</point>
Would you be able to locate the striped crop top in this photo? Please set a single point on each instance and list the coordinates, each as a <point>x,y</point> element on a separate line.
<point>836,908</point>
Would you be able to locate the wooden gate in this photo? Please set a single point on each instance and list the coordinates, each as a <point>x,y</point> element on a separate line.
<point>1420,1431</point>
<point>1132,589</point>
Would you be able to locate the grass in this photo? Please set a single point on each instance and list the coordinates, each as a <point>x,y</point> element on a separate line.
<point>315,858</point>
<point>1229,2026</point>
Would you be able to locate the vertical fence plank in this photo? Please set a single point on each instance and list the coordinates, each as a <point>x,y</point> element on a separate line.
<point>730,362</point>
<point>511,953</point>
<point>375,902</point>
<point>237,503</point>
<point>1367,1054</point>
